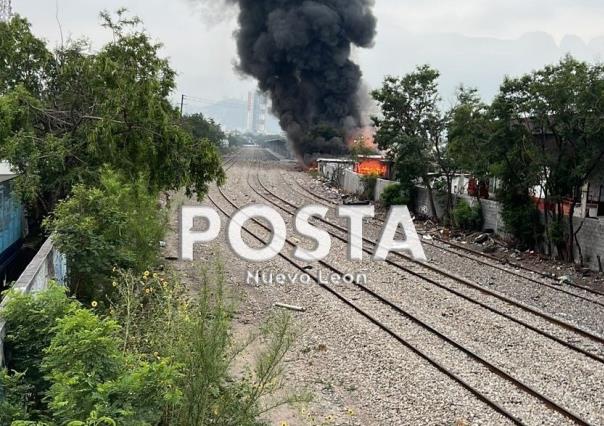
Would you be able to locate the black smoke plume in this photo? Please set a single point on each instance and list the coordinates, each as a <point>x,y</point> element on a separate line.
<point>300,53</point>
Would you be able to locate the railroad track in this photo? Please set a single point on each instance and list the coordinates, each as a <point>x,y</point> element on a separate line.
<point>399,310</point>
<point>482,262</point>
<point>477,256</point>
<point>554,320</point>
<point>421,275</point>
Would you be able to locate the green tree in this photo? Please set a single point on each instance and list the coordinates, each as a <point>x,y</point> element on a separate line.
<point>469,133</point>
<point>202,128</point>
<point>412,128</point>
<point>24,59</point>
<point>550,135</point>
<point>109,107</point>
<point>115,225</point>
<point>236,140</point>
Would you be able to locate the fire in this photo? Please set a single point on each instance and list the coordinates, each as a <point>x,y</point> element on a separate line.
<point>372,167</point>
<point>364,138</point>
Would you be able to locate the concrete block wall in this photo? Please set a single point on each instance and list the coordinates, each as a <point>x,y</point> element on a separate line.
<point>48,264</point>
<point>491,210</point>
<point>332,171</point>
<point>380,186</point>
<point>422,203</point>
<point>591,240</point>
<point>491,214</point>
<point>352,182</point>
<point>591,236</point>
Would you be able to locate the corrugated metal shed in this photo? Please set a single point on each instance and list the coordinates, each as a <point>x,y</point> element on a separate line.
<point>11,221</point>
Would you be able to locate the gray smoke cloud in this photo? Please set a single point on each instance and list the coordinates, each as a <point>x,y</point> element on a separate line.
<point>300,53</point>
<point>213,12</point>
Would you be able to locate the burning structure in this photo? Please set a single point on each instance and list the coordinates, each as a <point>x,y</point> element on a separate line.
<point>373,165</point>
<point>300,53</point>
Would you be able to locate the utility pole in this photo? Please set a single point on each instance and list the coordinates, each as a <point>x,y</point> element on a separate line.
<point>6,10</point>
<point>182,104</point>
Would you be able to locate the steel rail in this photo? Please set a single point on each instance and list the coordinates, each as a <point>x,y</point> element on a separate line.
<point>485,255</point>
<point>559,322</point>
<point>444,287</point>
<point>496,370</point>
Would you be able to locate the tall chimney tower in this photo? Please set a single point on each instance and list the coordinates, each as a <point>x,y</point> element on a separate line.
<point>6,10</point>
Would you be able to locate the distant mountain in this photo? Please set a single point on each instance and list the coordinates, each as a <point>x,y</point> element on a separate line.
<point>480,62</point>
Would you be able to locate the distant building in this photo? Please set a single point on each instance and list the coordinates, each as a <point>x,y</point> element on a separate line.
<point>257,112</point>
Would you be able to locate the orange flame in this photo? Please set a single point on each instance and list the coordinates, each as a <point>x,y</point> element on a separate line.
<point>364,136</point>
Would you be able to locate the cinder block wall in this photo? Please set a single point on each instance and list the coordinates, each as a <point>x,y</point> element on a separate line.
<point>591,236</point>
<point>591,240</point>
<point>352,183</point>
<point>380,186</point>
<point>491,210</point>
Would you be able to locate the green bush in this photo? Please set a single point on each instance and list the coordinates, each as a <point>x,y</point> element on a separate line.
<point>521,218</point>
<point>14,397</point>
<point>467,217</point>
<point>159,357</point>
<point>117,225</point>
<point>74,368</point>
<point>207,352</point>
<point>83,354</point>
<point>159,317</point>
<point>30,321</point>
<point>394,195</point>
<point>152,309</point>
<point>556,233</point>
<point>369,183</point>
<point>91,376</point>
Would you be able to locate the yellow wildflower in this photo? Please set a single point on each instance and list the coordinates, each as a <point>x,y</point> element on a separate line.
<point>94,304</point>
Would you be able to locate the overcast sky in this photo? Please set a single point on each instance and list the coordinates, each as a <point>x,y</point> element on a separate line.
<point>475,42</point>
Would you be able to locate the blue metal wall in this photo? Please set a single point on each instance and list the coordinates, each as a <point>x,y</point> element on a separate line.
<point>11,220</point>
